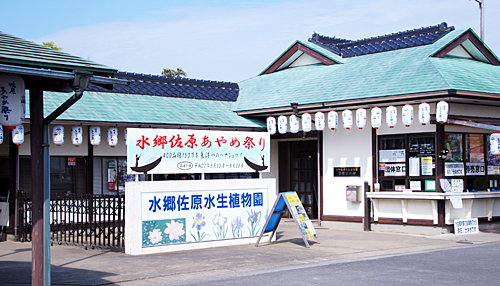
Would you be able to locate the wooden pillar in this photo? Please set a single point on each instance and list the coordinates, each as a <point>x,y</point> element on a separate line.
<point>320,176</point>
<point>37,186</point>
<point>440,171</point>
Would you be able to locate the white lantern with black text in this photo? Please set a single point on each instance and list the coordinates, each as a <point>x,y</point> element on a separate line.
<point>1,134</point>
<point>58,135</point>
<point>347,119</point>
<point>294,124</point>
<point>391,116</point>
<point>424,113</point>
<point>319,121</point>
<point>18,135</point>
<point>376,117</point>
<point>112,136</point>
<point>306,122</point>
<point>271,126</point>
<point>495,143</point>
<point>442,112</point>
<point>282,124</point>
<point>76,135</point>
<point>95,135</point>
<point>361,118</point>
<point>333,120</point>
<point>13,101</point>
<point>407,115</point>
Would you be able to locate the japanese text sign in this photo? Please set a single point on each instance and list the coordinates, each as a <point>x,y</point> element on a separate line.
<point>168,151</point>
<point>194,216</point>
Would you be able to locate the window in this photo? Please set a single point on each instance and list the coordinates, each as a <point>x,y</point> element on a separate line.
<point>407,162</point>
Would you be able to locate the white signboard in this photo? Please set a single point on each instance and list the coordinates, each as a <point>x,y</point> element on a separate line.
<point>453,169</point>
<point>167,151</point>
<point>466,226</point>
<point>195,216</point>
<point>395,170</point>
<point>474,168</point>
<point>397,155</point>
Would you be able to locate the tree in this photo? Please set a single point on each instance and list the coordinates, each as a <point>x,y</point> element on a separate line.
<point>174,73</point>
<point>52,46</point>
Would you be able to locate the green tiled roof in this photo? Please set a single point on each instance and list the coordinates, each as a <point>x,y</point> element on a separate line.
<point>391,73</point>
<point>14,50</point>
<point>146,109</point>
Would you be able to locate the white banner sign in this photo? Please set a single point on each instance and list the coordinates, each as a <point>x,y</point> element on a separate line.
<point>194,216</point>
<point>395,170</point>
<point>474,168</point>
<point>453,169</point>
<point>170,151</point>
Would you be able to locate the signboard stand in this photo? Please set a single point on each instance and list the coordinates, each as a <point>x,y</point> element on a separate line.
<point>292,201</point>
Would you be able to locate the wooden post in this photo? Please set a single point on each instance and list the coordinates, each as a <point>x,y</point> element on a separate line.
<point>37,236</point>
<point>367,202</point>
<point>440,171</point>
<point>13,180</point>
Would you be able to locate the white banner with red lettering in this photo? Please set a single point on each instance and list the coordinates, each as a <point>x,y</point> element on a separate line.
<point>170,151</point>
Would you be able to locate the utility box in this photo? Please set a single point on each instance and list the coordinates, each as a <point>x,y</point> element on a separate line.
<point>353,193</point>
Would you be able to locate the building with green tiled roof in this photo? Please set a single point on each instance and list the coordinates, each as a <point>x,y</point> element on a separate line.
<point>412,164</point>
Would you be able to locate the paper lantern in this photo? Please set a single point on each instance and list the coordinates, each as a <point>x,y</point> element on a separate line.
<point>112,137</point>
<point>1,134</point>
<point>76,135</point>
<point>271,127</point>
<point>125,133</point>
<point>347,119</point>
<point>424,113</point>
<point>391,116</point>
<point>361,118</point>
<point>495,143</point>
<point>95,135</point>
<point>12,100</point>
<point>319,121</point>
<point>442,112</point>
<point>407,115</point>
<point>58,135</point>
<point>333,120</point>
<point>18,135</point>
<point>294,124</point>
<point>282,124</point>
<point>376,117</point>
<point>306,122</point>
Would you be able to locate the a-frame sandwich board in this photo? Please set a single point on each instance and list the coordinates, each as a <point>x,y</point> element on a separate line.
<point>292,201</point>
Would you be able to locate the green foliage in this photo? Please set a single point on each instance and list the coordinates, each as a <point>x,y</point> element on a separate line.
<point>174,73</point>
<point>52,46</point>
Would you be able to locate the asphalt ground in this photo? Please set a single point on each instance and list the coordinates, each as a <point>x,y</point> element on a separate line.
<point>73,265</point>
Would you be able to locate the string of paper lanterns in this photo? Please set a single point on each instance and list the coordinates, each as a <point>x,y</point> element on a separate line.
<point>361,118</point>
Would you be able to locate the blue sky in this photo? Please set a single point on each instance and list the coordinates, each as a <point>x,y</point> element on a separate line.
<point>223,40</point>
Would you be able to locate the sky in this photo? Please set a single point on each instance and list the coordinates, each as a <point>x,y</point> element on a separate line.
<point>225,40</point>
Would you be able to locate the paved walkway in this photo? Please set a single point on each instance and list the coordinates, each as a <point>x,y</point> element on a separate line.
<point>72,265</point>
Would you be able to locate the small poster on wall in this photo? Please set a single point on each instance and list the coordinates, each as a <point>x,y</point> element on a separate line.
<point>427,166</point>
<point>111,176</point>
<point>453,169</point>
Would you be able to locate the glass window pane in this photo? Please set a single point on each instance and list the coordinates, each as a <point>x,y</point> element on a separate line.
<point>453,143</point>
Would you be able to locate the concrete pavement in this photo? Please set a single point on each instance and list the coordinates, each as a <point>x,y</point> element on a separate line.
<point>72,265</point>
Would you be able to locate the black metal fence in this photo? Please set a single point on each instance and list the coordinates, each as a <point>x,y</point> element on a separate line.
<point>87,220</point>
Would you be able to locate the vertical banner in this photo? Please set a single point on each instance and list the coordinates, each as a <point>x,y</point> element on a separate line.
<point>167,151</point>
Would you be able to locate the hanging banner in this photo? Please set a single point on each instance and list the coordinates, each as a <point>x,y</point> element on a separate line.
<point>170,151</point>
<point>195,216</point>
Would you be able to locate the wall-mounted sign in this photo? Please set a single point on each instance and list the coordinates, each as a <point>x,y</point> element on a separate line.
<point>170,151</point>
<point>474,168</point>
<point>466,226</point>
<point>71,161</point>
<point>346,171</point>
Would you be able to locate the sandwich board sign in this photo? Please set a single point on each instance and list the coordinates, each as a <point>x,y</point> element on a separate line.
<point>292,201</point>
